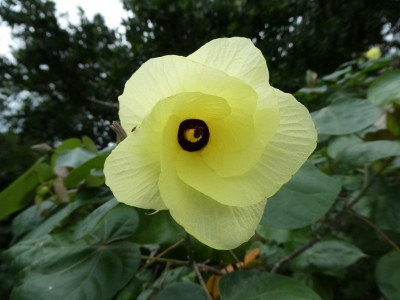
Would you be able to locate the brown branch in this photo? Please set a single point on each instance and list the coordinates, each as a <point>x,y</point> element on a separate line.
<point>201,280</point>
<point>295,253</point>
<point>329,226</point>
<point>104,103</point>
<point>376,228</point>
<point>154,259</point>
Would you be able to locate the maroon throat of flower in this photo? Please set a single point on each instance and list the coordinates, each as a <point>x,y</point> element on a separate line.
<point>193,135</point>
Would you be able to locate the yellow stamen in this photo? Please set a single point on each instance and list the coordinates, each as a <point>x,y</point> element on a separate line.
<point>192,135</point>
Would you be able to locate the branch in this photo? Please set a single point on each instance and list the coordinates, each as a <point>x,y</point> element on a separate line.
<point>104,103</point>
<point>376,228</point>
<point>201,280</point>
<point>295,253</point>
<point>330,225</point>
<point>155,258</point>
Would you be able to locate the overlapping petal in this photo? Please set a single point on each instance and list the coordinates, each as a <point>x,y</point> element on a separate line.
<point>202,216</point>
<point>258,138</point>
<point>166,76</point>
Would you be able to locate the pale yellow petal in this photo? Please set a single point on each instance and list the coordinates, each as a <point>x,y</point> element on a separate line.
<point>236,144</point>
<point>163,77</point>
<point>132,170</point>
<point>236,56</point>
<point>289,148</point>
<point>216,225</point>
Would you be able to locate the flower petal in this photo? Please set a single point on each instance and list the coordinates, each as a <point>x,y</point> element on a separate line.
<point>283,155</point>
<point>133,168</point>
<point>166,76</point>
<point>214,224</point>
<point>236,56</point>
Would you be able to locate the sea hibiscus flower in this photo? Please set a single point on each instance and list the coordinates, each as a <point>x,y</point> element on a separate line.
<point>209,140</point>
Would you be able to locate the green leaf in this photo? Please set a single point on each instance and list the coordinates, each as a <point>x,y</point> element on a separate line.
<point>19,193</point>
<point>82,171</point>
<point>345,116</point>
<point>30,218</point>
<point>118,223</point>
<point>90,222</point>
<point>367,152</point>
<point>182,291</point>
<point>158,228</point>
<point>58,217</point>
<point>385,88</point>
<point>388,275</point>
<point>261,285</point>
<point>337,74</point>
<point>340,143</point>
<point>329,256</point>
<point>55,269</point>
<point>68,144</point>
<point>73,158</point>
<point>302,201</point>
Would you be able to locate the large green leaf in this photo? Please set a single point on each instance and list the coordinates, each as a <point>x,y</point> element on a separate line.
<point>244,285</point>
<point>302,201</point>
<point>388,275</point>
<point>345,116</point>
<point>96,266</point>
<point>182,291</point>
<point>385,88</point>
<point>56,269</point>
<point>329,256</point>
<point>158,228</point>
<point>56,220</point>
<point>367,152</point>
<point>18,193</point>
<point>118,223</point>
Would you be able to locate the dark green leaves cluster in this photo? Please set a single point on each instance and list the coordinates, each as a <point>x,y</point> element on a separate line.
<point>332,232</point>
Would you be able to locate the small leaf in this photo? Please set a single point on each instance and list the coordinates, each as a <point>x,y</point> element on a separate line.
<point>367,152</point>
<point>345,116</point>
<point>81,172</point>
<point>182,291</point>
<point>340,143</point>
<point>330,256</point>
<point>388,275</point>
<point>261,285</point>
<point>18,193</point>
<point>302,201</point>
<point>385,89</point>
<point>73,158</point>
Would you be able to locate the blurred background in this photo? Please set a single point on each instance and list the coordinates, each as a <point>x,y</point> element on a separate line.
<point>66,66</point>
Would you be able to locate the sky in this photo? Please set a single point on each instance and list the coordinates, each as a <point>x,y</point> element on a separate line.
<point>111,10</point>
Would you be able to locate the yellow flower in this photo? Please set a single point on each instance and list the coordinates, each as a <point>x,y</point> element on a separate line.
<point>213,140</point>
<point>373,53</point>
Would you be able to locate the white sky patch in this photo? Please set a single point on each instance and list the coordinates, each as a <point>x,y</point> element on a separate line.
<point>111,10</point>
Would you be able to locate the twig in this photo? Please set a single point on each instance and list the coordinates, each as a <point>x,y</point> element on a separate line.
<point>234,256</point>
<point>295,253</point>
<point>166,260</point>
<point>376,228</point>
<point>328,227</point>
<point>368,185</point>
<point>104,103</point>
<point>161,254</point>
<point>201,280</point>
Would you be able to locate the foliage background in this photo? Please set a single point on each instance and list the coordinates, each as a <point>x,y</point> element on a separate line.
<point>332,232</point>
